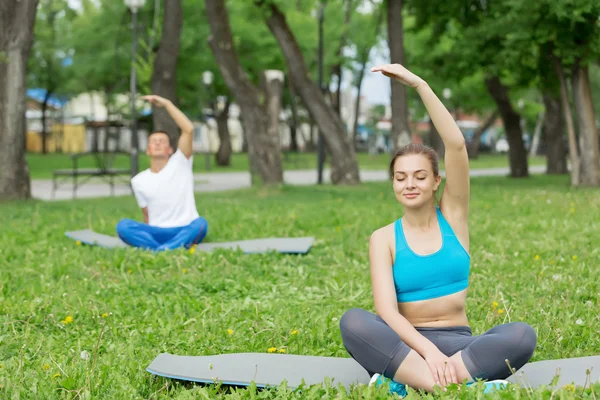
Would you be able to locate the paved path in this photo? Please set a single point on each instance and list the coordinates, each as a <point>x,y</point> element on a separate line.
<point>219,181</point>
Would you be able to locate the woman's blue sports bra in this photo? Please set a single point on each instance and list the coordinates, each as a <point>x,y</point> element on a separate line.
<point>442,273</point>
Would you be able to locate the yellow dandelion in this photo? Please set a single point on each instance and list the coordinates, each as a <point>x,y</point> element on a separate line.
<point>494,304</point>
<point>185,270</point>
<point>105,315</point>
<point>572,210</point>
<point>537,257</point>
<point>78,243</point>
<point>570,387</point>
<point>337,228</point>
<point>1,366</point>
<point>282,350</point>
<point>230,331</point>
<point>192,249</point>
<point>574,258</point>
<point>56,376</point>
<point>272,349</point>
<point>500,311</point>
<point>45,367</point>
<point>294,332</point>
<point>129,271</point>
<point>68,319</point>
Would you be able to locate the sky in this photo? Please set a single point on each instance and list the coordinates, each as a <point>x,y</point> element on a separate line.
<point>375,87</point>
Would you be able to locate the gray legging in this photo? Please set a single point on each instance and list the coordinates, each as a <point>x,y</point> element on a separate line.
<point>378,348</point>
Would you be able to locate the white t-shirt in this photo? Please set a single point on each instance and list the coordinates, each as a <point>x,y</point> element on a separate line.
<point>169,193</point>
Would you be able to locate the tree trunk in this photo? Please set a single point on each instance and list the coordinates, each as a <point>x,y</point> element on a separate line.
<point>586,122</point>
<point>17,18</point>
<point>473,145</point>
<point>566,107</point>
<point>164,79</point>
<point>512,125</point>
<point>264,150</point>
<point>344,167</point>
<point>554,128</point>
<point>400,135</point>
<point>436,140</point>
<point>223,156</point>
<point>537,134</point>
<point>337,68</point>
<point>361,76</point>
<point>273,82</point>
<point>294,120</point>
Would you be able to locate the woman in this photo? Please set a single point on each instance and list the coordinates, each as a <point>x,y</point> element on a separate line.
<point>420,268</point>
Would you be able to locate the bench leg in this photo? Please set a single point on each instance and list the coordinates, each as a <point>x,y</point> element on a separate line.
<point>53,195</point>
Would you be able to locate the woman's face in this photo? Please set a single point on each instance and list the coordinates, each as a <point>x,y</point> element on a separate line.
<point>414,180</point>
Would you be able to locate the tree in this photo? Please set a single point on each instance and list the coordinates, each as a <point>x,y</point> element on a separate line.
<point>17,19</point>
<point>101,51</point>
<point>263,144</point>
<point>164,76</point>
<point>477,30</point>
<point>565,35</point>
<point>400,129</point>
<point>364,35</point>
<point>344,167</point>
<point>50,54</point>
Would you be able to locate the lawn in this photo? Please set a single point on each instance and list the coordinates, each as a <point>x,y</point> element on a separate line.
<point>85,322</point>
<point>41,166</point>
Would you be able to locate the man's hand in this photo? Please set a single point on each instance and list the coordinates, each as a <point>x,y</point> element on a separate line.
<point>156,100</point>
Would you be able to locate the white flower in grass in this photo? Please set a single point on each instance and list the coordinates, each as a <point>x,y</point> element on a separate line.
<point>557,277</point>
<point>85,355</point>
<point>589,303</point>
<point>579,322</point>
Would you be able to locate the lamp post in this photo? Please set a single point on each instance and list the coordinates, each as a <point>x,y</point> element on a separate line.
<point>134,6</point>
<point>321,144</point>
<point>207,79</point>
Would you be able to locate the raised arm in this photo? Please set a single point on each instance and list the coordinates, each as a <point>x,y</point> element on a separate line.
<point>455,199</point>
<point>183,122</point>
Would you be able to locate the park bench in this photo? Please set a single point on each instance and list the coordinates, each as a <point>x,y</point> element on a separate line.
<point>104,162</point>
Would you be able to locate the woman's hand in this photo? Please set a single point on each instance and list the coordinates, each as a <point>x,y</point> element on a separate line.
<point>399,73</point>
<point>441,367</point>
<point>156,100</point>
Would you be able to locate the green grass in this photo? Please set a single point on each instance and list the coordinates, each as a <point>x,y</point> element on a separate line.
<point>41,166</point>
<point>534,246</point>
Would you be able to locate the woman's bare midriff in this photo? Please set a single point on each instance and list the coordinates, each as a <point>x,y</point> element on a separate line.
<point>436,313</point>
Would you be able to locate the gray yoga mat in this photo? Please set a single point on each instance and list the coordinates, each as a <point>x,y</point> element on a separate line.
<point>299,245</point>
<point>263,368</point>
<point>272,369</point>
<point>569,370</point>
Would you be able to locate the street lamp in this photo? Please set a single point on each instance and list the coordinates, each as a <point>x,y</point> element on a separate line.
<point>207,79</point>
<point>134,6</point>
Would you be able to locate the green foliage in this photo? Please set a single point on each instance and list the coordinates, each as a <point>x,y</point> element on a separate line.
<point>51,47</point>
<point>533,247</point>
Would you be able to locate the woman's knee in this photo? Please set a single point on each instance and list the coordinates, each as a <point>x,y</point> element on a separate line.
<point>353,320</point>
<point>525,340</point>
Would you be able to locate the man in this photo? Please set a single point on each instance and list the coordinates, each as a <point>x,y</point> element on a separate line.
<point>165,191</point>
